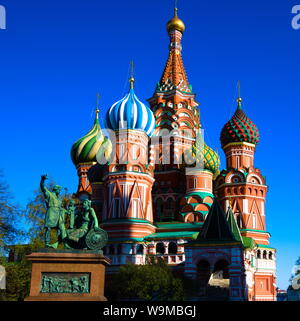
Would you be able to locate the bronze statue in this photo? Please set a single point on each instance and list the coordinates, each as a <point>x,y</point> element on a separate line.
<point>86,234</point>
<point>71,211</point>
<point>55,215</point>
<point>83,232</point>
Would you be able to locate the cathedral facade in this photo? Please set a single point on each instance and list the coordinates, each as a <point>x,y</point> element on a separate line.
<point>157,188</point>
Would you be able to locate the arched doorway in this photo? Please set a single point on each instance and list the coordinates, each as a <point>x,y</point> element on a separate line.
<point>160,248</point>
<point>172,248</point>
<point>219,282</point>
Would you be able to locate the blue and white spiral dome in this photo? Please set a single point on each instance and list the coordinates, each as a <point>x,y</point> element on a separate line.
<point>130,113</point>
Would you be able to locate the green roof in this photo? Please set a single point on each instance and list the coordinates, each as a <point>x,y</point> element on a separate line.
<point>183,214</point>
<point>265,246</point>
<point>173,235</point>
<point>125,240</point>
<point>201,194</point>
<point>212,242</point>
<point>126,221</point>
<point>233,225</point>
<point>178,225</point>
<point>216,226</point>
<point>251,230</point>
<point>248,242</point>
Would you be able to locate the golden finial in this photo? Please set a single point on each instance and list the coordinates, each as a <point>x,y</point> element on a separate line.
<point>175,22</point>
<point>131,79</point>
<point>97,105</point>
<point>239,99</point>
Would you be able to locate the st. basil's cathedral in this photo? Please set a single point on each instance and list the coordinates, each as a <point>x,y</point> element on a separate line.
<point>209,225</point>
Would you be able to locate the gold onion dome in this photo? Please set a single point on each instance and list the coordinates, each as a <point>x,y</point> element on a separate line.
<point>175,23</point>
<point>85,149</point>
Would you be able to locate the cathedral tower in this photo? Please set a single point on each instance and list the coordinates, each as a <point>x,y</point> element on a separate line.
<point>130,178</point>
<point>242,188</point>
<point>177,124</point>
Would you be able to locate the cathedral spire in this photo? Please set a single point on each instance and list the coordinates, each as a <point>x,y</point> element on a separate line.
<point>174,75</point>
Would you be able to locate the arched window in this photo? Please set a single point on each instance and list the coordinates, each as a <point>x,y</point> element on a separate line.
<point>140,249</point>
<point>159,208</point>
<point>169,209</point>
<point>223,266</point>
<point>265,255</point>
<point>170,204</point>
<point>258,255</point>
<point>270,256</point>
<point>160,248</point>
<point>172,248</point>
<point>111,249</point>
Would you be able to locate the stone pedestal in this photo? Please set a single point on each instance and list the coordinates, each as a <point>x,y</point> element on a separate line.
<point>67,275</point>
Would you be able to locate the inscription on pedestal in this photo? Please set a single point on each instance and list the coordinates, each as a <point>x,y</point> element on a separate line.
<point>65,283</point>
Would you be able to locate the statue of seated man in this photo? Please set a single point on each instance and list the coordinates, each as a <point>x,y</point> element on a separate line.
<point>85,220</point>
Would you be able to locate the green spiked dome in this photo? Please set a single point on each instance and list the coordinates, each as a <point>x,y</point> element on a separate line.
<point>239,129</point>
<point>200,152</point>
<point>87,147</point>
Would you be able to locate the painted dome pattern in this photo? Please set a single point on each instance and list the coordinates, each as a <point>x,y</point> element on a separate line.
<point>239,129</point>
<point>85,149</point>
<point>130,113</point>
<point>200,152</point>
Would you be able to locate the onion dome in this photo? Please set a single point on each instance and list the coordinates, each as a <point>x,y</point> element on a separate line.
<point>239,129</point>
<point>130,113</point>
<point>86,148</point>
<point>200,152</point>
<point>175,23</point>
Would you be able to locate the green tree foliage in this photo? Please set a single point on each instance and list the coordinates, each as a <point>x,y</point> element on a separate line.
<point>10,215</point>
<point>150,282</point>
<point>18,269</point>
<point>18,275</point>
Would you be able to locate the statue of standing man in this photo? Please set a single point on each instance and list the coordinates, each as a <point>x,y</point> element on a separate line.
<point>55,215</point>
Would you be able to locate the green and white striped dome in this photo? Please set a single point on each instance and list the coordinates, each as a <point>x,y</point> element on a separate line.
<point>85,149</point>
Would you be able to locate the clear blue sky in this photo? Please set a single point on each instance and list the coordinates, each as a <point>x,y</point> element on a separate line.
<point>55,55</point>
